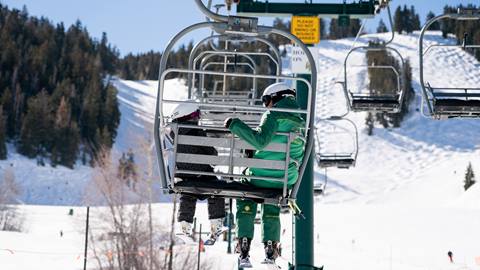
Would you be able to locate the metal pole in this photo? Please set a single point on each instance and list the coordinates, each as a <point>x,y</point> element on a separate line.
<point>199,247</point>
<point>86,240</point>
<point>304,253</point>
<point>194,227</point>
<point>229,224</point>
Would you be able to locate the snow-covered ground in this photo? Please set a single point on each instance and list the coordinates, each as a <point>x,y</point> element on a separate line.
<point>401,207</point>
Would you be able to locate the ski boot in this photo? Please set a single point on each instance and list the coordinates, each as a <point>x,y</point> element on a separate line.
<point>186,228</point>
<point>272,251</point>
<point>185,233</point>
<point>216,229</point>
<point>243,247</point>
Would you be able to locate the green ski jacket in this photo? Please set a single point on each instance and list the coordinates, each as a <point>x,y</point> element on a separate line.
<point>261,136</point>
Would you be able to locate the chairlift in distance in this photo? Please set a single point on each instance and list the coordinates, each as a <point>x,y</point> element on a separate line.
<point>366,101</point>
<point>341,160</point>
<point>448,102</point>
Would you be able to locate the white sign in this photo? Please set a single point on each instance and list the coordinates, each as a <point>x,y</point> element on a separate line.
<point>299,60</point>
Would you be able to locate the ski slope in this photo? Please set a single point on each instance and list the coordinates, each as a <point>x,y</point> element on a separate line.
<point>401,207</point>
<point>422,157</point>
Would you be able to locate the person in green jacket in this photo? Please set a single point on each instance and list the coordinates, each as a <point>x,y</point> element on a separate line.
<point>277,95</point>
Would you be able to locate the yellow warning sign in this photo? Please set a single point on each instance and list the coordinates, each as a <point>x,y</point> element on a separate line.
<point>306,28</point>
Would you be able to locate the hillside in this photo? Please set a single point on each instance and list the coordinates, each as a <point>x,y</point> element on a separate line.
<point>402,206</point>
<point>422,157</point>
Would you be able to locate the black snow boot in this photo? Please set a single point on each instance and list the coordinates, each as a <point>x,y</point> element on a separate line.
<point>243,247</point>
<point>272,250</point>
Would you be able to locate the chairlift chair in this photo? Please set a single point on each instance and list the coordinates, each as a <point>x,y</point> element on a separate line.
<point>362,100</point>
<point>230,163</point>
<point>343,159</point>
<point>217,116</point>
<point>238,97</point>
<point>448,102</point>
<point>229,40</point>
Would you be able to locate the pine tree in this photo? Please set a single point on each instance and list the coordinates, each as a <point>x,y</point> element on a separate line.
<point>398,21</point>
<point>35,137</point>
<point>111,113</point>
<point>381,28</point>
<point>66,137</point>
<point>3,133</point>
<point>469,177</point>
<point>415,19</point>
<point>406,19</point>
<point>369,121</point>
<point>7,102</point>
<point>435,26</point>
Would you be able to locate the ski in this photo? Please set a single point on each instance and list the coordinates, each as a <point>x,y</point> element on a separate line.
<point>184,239</point>
<point>270,264</point>
<point>211,240</point>
<point>244,263</point>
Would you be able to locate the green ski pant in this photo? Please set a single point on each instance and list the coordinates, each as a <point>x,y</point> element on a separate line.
<point>246,212</point>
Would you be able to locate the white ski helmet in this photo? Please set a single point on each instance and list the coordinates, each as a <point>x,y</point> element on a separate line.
<point>184,109</point>
<point>276,92</point>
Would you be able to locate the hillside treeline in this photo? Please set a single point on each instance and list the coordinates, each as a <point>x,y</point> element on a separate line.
<point>55,102</point>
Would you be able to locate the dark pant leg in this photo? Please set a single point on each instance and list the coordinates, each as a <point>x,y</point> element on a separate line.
<point>270,223</point>
<point>216,208</point>
<point>186,210</point>
<point>246,211</point>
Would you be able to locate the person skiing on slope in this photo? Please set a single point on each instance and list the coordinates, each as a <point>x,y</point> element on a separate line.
<point>450,256</point>
<point>277,95</point>
<point>189,114</point>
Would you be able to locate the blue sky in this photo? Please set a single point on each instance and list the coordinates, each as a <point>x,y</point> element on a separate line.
<point>143,25</point>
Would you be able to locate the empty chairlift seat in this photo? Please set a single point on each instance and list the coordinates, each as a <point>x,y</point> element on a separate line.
<point>448,102</point>
<point>456,102</point>
<point>384,68</point>
<point>339,131</point>
<point>375,103</point>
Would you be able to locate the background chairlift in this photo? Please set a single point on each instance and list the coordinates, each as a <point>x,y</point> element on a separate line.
<point>343,159</point>
<point>363,100</point>
<point>230,162</point>
<point>238,96</point>
<point>229,41</point>
<point>216,116</point>
<point>449,102</point>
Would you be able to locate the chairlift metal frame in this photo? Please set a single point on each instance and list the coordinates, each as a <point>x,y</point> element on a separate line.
<point>339,160</point>
<point>448,102</point>
<point>234,97</point>
<point>228,39</point>
<point>375,103</point>
<point>235,27</point>
<point>204,56</point>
